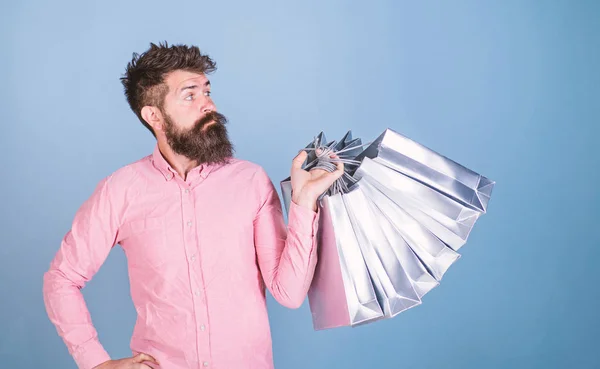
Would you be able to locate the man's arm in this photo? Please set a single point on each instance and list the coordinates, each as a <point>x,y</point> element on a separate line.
<point>287,257</point>
<point>82,251</point>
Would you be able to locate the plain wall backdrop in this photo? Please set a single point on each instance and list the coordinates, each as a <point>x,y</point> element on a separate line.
<point>510,89</point>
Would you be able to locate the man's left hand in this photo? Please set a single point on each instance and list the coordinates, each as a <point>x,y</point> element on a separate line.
<point>307,186</point>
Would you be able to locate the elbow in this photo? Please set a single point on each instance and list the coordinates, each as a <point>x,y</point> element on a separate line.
<point>47,280</point>
<point>289,295</point>
<point>54,281</point>
<point>296,305</point>
<point>48,290</point>
<point>286,299</point>
<point>49,283</point>
<point>292,303</point>
<point>291,299</point>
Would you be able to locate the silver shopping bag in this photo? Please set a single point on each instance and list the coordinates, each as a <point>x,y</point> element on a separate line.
<point>425,165</point>
<point>341,293</point>
<point>390,227</point>
<point>448,219</point>
<point>422,281</point>
<point>433,253</point>
<point>394,289</point>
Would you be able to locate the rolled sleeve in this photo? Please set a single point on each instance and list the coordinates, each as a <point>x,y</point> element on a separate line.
<point>302,220</point>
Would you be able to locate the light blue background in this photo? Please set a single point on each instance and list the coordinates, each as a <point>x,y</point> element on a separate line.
<point>510,89</point>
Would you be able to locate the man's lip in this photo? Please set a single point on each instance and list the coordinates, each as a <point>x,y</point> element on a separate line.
<point>209,124</point>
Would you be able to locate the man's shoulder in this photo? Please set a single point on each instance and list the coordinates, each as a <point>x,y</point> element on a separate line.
<point>243,164</point>
<point>128,173</point>
<point>243,167</point>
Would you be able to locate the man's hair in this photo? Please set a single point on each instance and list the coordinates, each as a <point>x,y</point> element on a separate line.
<point>144,78</point>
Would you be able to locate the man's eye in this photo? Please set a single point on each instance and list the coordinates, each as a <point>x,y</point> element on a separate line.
<point>189,97</point>
<point>206,93</point>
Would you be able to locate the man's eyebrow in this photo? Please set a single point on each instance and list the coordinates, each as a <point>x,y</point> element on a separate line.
<point>191,87</point>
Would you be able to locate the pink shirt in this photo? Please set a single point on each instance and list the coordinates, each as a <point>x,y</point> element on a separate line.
<point>199,252</point>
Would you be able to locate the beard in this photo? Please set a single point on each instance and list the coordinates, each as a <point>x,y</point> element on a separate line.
<point>205,146</point>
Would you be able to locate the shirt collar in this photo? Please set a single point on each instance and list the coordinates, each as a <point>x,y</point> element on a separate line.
<point>168,172</point>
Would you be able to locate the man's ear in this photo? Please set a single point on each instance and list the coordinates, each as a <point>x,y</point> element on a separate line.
<point>153,117</point>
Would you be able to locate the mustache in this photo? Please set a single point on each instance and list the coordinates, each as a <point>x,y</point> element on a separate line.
<point>210,117</point>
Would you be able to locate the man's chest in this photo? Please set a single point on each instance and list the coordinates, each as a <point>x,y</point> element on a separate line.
<point>170,226</point>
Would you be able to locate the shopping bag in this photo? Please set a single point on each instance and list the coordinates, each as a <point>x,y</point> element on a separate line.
<point>390,227</point>
<point>395,292</point>
<point>448,219</point>
<point>341,292</point>
<point>437,171</point>
<point>436,256</point>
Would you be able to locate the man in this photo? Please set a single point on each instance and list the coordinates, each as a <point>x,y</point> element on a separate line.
<point>203,233</point>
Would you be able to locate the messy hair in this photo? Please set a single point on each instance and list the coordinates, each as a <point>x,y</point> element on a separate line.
<point>144,78</point>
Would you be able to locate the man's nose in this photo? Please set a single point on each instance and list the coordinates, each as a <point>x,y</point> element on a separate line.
<point>209,107</point>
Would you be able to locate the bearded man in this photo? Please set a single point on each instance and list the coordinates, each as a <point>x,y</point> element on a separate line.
<point>203,233</point>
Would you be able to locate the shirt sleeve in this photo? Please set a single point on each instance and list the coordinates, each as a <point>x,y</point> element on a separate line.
<point>287,256</point>
<point>83,250</point>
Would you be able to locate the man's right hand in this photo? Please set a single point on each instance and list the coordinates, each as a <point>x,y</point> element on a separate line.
<point>128,363</point>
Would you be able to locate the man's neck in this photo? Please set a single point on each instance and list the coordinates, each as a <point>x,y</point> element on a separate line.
<point>180,163</point>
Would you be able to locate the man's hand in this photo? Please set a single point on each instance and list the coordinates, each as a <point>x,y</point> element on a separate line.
<point>135,362</point>
<point>308,186</point>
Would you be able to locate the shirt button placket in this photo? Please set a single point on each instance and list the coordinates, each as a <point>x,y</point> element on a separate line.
<point>196,277</point>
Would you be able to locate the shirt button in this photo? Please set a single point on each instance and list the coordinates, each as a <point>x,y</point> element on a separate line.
<point>205,363</point>
<point>202,327</point>
<point>197,293</point>
<point>193,258</point>
<point>187,190</point>
<point>189,224</point>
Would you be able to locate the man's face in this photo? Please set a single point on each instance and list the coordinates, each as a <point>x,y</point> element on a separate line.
<point>192,125</point>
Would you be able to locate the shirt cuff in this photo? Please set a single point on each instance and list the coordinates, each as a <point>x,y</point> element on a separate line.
<point>90,355</point>
<point>303,220</point>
